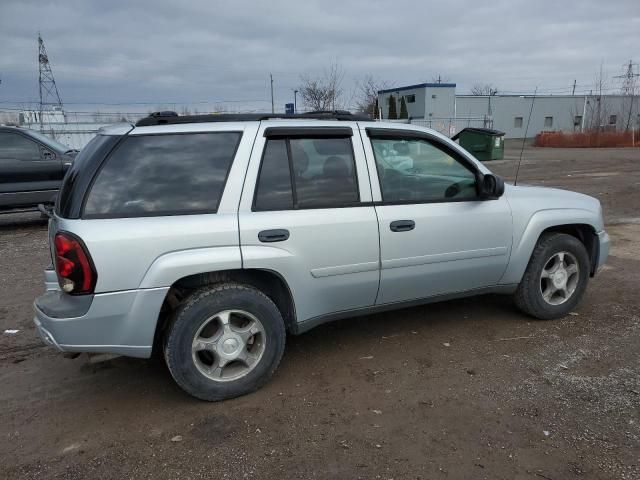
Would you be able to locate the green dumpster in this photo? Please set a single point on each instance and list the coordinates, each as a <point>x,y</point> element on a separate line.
<point>483,143</point>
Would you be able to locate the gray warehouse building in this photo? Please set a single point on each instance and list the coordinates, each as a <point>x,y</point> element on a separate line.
<point>437,106</point>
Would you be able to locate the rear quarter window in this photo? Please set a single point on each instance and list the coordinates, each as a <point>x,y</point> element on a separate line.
<point>172,174</point>
<point>78,177</point>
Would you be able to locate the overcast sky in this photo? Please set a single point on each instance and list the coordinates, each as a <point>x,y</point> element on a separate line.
<point>221,53</point>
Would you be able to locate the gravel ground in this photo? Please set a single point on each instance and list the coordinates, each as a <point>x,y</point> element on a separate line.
<point>462,389</point>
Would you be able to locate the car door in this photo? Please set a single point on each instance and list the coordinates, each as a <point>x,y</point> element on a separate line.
<point>31,173</point>
<point>436,235</point>
<point>306,213</point>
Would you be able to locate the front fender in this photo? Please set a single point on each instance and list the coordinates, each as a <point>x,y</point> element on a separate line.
<point>527,234</point>
<point>171,267</point>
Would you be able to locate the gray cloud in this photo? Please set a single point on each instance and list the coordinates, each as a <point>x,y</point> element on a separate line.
<point>203,51</point>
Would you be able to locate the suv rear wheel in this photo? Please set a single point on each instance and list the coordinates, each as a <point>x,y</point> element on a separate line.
<point>556,277</point>
<point>226,340</point>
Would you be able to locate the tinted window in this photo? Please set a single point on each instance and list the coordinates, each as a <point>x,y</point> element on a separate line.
<point>49,142</point>
<point>78,177</point>
<point>416,170</point>
<point>273,191</point>
<point>163,175</point>
<point>324,174</point>
<point>14,146</point>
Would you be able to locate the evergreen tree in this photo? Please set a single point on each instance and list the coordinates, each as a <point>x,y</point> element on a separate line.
<point>393,115</point>
<point>403,109</point>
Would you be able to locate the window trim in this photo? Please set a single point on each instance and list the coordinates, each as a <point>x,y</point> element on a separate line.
<point>397,134</point>
<point>161,213</point>
<point>357,203</point>
<point>308,132</point>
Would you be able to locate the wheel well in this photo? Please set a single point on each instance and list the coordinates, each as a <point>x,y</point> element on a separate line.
<point>583,232</point>
<point>268,282</point>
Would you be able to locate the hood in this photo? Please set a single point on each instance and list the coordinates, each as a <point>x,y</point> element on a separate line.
<point>544,198</point>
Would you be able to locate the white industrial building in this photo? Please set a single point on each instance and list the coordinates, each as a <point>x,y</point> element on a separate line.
<point>436,105</point>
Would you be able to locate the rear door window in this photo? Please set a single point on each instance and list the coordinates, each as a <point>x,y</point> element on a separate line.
<point>304,173</point>
<point>274,191</point>
<point>173,174</point>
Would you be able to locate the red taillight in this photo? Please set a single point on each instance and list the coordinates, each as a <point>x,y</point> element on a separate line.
<point>76,274</point>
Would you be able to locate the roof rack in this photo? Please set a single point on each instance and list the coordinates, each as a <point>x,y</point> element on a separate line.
<point>169,118</point>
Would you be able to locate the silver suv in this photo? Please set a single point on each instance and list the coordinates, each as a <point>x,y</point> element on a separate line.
<point>209,238</point>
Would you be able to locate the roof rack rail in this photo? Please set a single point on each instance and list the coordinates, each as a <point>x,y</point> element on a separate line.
<point>169,117</point>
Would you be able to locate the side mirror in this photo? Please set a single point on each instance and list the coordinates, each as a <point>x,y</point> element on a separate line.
<point>48,154</point>
<point>491,186</point>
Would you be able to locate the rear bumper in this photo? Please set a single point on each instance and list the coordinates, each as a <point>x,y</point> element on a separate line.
<point>604,244</point>
<point>123,323</point>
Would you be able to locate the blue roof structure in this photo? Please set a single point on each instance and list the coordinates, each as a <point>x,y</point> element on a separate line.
<point>419,85</point>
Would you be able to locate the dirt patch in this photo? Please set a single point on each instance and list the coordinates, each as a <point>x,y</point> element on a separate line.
<point>627,240</point>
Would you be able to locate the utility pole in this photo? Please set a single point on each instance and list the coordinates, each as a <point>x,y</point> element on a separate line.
<point>600,81</point>
<point>273,109</point>
<point>49,95</point>
<point>295,101</point>
<point>573,92</point>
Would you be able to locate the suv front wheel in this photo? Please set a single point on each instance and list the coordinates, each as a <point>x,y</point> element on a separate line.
<point>225,341</point>
<point>555,279</point>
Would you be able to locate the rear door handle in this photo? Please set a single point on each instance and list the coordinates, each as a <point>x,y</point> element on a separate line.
<point>402,225</point>
<point>277,235</point>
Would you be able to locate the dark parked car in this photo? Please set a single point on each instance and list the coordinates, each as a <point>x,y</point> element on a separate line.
<point>31,168</point>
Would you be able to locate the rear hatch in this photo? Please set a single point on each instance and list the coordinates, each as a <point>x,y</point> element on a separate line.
<point>76,182</point>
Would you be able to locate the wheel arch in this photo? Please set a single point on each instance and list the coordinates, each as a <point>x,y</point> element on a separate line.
<point>586,234</point>
<point>575,222</point>
<point>269,282</point>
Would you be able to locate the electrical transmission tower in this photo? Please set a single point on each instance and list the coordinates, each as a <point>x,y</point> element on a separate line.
<point>49,95</point>
<point>629,80</point>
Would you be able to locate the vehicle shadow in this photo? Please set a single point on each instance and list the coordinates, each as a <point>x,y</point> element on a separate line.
<point>13,221</point>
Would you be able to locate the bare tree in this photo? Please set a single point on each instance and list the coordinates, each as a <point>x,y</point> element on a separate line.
<point>598,107</point>
<point>367,95</point>
<point>324,92</point>
<point>486,89</point>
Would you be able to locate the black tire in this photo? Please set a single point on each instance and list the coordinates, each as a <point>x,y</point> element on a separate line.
<point>189,317</point>
<point>528,296</point>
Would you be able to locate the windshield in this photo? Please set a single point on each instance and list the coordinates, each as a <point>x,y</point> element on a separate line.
<point>49,142</point>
